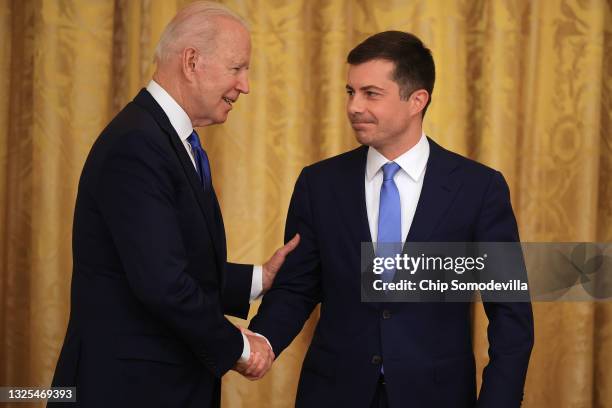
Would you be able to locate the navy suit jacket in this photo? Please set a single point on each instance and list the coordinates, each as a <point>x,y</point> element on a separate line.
<point>150,282</point>
<point>426,348</point>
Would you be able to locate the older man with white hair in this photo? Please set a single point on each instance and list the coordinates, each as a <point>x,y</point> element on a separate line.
<point>150,282</point>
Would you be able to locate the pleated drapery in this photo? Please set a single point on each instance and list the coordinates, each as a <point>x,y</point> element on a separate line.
<point>523,86</point>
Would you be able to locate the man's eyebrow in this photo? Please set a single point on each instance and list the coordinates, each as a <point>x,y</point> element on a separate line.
<point>366,88</point>
<point>371,88</point>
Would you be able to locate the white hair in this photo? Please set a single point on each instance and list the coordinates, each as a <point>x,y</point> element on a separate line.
<point>194,25</point>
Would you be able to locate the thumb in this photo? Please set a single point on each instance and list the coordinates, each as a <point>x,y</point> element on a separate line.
<point>291,245</point>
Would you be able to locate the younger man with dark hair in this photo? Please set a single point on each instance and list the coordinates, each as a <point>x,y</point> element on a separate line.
<point>399,186</point>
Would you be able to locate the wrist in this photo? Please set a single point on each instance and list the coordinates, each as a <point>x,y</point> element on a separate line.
<point>266,281</point>
<point>246,350</point>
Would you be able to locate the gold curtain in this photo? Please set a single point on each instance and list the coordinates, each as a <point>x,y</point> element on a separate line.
<point>523,86</point>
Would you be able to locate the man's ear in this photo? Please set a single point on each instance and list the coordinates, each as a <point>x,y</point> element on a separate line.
<point>418,100</point>
<point>189,61</point>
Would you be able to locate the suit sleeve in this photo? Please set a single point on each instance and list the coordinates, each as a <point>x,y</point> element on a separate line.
<point>237,290</point>
<point>510,330</point>
<point>296,288</point>
<point>135,191</point>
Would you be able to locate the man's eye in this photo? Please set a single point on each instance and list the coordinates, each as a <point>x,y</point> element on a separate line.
<point>370,93</point>
<point>350,92</point>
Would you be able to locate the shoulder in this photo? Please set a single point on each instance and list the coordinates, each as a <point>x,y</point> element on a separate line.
<point>134,130</point>
<point>468,168</point>
<point>133,120</point>
<point>347,161</point>
<point>132,140</point>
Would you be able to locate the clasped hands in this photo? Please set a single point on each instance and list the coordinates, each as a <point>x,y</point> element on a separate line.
<point>260,359</point>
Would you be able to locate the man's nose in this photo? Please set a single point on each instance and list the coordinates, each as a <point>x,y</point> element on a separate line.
<point>354,105</point>
<point>243,82</point>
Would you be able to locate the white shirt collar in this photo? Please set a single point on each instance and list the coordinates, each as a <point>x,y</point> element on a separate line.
<point>178,117</point>
<point>413,161</point>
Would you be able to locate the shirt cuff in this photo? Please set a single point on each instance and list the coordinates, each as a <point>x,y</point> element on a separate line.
<point>256,282</point>
<point>266,339</point>
<point>246,350</point>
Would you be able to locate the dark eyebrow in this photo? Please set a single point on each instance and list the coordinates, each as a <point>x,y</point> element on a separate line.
<point>371,88</point>
<point>366,88</point>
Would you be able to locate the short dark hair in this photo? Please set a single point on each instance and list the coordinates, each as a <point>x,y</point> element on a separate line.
<point>414,65</point>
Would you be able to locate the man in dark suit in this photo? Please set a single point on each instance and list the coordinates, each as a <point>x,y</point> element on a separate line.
<point>151,284</point>
<point>399,186</point>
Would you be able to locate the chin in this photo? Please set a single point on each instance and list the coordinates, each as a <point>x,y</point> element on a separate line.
<point>221,118</point>
<point>364,138</point>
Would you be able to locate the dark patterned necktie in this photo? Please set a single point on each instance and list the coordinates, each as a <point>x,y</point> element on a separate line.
<point>201,159</point>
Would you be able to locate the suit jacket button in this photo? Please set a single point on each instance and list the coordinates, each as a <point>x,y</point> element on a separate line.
<point>376,359</point>
<point>386,314</point>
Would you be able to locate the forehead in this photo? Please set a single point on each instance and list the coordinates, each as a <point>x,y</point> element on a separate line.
<point>233,39</point>
<point>374,72</point>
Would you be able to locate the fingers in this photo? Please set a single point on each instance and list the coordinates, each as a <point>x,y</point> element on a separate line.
<point>260,360</point>
<point>253,368</point>
<point>261,357</point>
<point>289,246</point>
<point>271,268</point>
<point>258,367</point>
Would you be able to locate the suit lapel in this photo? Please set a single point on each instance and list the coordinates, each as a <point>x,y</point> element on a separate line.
<point>439,190</point>
<point>351,195</point>
<point>351,202</point>
<point>220,226</point>
<point>206,200</point>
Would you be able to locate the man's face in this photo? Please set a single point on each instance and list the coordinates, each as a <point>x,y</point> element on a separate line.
<point>222,77</point>
<point>377,114</point>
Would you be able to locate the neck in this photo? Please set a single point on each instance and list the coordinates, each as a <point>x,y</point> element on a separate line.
<point>394,150</point>
<point>175,91</point>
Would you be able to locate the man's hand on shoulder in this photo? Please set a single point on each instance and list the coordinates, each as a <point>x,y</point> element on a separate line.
<point>271,268</point>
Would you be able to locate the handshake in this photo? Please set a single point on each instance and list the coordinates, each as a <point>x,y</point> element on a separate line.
<point>262,356</point>
<point>260,359</point>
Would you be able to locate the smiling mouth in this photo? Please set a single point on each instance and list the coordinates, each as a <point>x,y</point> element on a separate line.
<point>228,100</point>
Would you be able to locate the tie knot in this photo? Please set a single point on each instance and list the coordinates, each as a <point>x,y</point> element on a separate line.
<point>389,170</point>
<point>194,140</point>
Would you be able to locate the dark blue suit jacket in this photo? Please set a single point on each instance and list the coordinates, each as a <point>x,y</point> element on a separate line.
<point>150,282</point>
<point>426,348</point>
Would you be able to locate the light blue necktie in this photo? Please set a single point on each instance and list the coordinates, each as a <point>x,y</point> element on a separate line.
<point>389,240</point>
<point>389,219</point>
<point>201,159</point>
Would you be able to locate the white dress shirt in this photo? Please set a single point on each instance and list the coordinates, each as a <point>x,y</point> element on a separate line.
<point>409,182</point>
<point>182,125</point>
